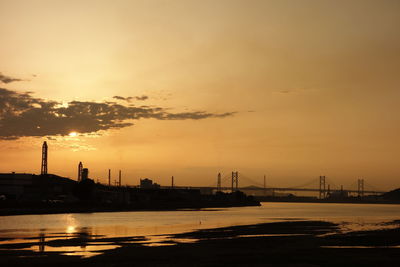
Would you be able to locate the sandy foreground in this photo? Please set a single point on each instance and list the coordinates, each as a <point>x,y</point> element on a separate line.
<point>288,243</point>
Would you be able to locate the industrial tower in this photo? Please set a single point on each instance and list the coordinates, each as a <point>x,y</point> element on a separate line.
<point>80,168</point>
<point>43,170</point>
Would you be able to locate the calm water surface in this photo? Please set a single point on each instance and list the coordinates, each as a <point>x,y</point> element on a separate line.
<point>152,224</point>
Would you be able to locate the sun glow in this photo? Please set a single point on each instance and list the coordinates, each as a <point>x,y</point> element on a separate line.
<point>73,134</point>
<point>71,229</point>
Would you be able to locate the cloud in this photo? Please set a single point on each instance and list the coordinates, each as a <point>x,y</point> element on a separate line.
<point>130,98</point>
<point>23,115</point>
<point>142,98</point>
<point>197,115</point>
<point>8,79</point>
<point>119,97</point>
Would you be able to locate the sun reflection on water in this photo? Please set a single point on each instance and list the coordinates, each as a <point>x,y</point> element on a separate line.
<point>91,234</point>
<point>71,229</point>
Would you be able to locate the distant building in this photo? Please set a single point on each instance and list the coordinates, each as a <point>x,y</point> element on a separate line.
<point>85,174</point>
<point>148,184</point>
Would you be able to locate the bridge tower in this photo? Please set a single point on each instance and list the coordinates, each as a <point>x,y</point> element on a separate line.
<point>43,170</point>
<point>322,187</point>
<point>235,181</point>
<point>219,182</point>
<point>360,187</point>
<point>80,168</point>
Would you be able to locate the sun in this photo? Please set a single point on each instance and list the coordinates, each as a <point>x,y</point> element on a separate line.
<point>73,134</point>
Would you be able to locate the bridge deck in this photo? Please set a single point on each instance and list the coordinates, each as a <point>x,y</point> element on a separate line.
<point>287,189</point>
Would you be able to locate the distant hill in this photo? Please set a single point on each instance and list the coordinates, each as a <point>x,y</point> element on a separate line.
<point>392,195</point>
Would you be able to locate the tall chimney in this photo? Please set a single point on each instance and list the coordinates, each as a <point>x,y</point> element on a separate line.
<point>80,168</point>
<point>43,170</point>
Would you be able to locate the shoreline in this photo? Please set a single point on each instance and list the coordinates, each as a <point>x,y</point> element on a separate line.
<point>278,200</point>
<point>57,209</point>
<point>287,243</point>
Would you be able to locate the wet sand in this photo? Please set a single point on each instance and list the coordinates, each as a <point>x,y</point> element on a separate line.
<point>289,243</point>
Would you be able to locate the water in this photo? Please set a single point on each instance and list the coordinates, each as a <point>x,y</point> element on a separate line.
<point>39,232</point>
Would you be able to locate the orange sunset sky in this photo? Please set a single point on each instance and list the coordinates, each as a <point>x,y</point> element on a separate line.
<point>290,89</point>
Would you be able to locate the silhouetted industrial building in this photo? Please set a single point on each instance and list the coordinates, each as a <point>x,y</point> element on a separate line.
<point>148,184</point>
<point>85,174</point>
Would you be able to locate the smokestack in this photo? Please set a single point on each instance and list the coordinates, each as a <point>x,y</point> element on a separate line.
<point>172,182</point>
<point>119,182</point>
<point>80,167</point>
<point>43,170</point>
<point>109,177</point>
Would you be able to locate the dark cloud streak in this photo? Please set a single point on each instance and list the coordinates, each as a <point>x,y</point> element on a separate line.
<point>8,79</point>
<point>22,115</point>
<point>130,98</point>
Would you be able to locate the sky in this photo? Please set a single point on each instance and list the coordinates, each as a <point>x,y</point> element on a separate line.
<point>287,89</point>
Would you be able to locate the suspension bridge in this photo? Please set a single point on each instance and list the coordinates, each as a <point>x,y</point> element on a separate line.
<point>320,185</point>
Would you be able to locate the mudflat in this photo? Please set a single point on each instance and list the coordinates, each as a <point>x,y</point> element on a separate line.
<point>288,243</point>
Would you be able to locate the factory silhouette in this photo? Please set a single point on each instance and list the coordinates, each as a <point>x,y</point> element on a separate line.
<point>22,193</point>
